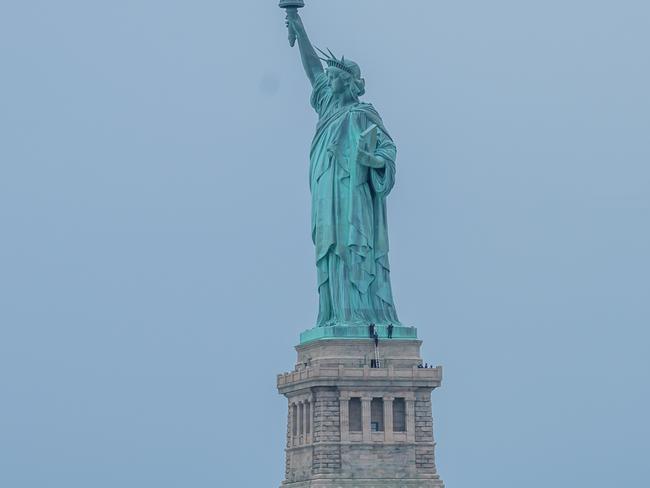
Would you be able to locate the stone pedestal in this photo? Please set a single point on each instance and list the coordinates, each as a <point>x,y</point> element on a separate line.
<point>351,425</point>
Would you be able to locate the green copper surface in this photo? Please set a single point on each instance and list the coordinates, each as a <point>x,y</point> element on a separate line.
<point>292,3</point>
<point>355,332</point>
<point>352,171</point>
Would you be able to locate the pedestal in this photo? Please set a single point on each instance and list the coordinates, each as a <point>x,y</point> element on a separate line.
<point>351,425</point>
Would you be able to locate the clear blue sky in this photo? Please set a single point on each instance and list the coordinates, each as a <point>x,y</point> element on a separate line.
<point>155,258</point>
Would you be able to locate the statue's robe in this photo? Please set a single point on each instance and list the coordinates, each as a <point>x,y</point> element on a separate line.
<point>349,227</point>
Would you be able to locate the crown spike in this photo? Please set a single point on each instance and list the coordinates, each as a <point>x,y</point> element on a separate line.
<point>322,52</point>
<point>333,62</point>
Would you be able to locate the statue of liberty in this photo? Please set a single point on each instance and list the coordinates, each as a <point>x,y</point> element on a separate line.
<point>352,170</point>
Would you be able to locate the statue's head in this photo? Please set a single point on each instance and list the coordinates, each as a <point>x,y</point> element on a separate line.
<point>344,76</point>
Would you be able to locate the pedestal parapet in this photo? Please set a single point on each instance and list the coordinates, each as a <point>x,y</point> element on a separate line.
<point>356,332</point>
<point>360,415</point>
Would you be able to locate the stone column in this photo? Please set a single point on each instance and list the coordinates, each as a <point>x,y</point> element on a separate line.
<point>365,418</point>
<point>311,419</point>
<point>344,402</point>
<point>294,424</point>
<point>388,419</point>
<point>410,419</point>
<point>308,422</point>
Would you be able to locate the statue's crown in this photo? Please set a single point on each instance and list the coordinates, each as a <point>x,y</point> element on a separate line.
<point>348,66</point>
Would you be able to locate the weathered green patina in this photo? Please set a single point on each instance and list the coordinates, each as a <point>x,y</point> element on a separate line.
<point>352,171</point>
<point>356,332</point>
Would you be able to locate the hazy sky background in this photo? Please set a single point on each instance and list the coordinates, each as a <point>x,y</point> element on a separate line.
<point>156,266</point>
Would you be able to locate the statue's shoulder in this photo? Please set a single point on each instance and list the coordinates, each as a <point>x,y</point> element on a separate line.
<point>369,110</point>
<point>365,107</point>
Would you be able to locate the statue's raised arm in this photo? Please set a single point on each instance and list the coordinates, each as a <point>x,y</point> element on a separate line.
<point>310,60</point>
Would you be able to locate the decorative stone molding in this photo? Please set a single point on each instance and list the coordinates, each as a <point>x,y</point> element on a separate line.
<point>429,377</point>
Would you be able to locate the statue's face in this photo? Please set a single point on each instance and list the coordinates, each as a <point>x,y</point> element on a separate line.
<point>338,79</point>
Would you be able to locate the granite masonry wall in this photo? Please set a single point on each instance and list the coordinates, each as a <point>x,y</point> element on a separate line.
<point>322,452</point>
<point>327,431</point>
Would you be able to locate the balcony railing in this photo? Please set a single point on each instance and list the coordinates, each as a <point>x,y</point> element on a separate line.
<point>343,372</point>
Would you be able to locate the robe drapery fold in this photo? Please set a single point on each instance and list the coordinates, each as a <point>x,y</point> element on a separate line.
<point>349,227</point>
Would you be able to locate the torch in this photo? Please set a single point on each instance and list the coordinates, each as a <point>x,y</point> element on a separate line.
<point>292,6</point>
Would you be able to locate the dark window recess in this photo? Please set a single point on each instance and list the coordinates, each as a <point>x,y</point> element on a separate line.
<point>301,416</point>
<point>295,420</point>
<point>399,415</point>
<point>377,415</point>
<point>354,414</point>
<point>307,418</point>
